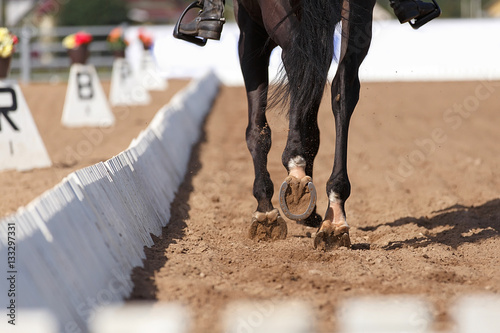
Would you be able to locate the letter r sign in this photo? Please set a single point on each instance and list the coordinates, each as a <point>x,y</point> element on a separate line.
<point>8,103</point>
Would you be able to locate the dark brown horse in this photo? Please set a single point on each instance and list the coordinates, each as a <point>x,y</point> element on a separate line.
<point>304,29</point>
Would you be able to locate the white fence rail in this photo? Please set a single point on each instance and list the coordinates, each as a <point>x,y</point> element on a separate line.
<point>41,52</point>
<point>73,248</point>
<point>441,51</point>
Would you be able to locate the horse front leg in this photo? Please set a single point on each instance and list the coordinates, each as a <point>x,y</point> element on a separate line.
<point>254,53</point>
<point>356,37</point>
<point>267,224</point>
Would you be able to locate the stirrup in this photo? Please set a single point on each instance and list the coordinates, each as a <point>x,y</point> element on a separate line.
<point>309,210</point>
<point>420,21</point>
<point>200,41</point>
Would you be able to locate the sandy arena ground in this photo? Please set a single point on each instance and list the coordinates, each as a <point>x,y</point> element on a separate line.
<point>424,163</point>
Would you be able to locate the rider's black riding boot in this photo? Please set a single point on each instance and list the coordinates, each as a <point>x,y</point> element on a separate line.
<point>407,10</point>
<point>209,22</point>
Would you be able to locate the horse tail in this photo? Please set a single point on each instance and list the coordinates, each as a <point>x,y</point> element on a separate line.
<point>306,62</point>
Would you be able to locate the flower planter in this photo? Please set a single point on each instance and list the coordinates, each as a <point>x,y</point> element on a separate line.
<point>119,53</point>
<point>79,55</point>
<point>4,67</point>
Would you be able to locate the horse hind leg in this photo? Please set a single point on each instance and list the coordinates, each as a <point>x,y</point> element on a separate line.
<point>303,90</point>
<point>254,52</point>
<point>356,37</point>
<point>297,193</point>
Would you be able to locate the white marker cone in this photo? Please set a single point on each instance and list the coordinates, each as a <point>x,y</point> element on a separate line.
<point>21,147</point>
<point>125,88</point>
<point>148,75</point>
<point>86,104</point>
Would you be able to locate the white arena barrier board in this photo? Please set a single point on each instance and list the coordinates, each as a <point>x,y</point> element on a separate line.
<point>21,147</point>
<point>72,249</point>
<point>85,103</point>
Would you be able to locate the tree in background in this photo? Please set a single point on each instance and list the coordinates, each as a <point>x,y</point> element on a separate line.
<point>93,12</point>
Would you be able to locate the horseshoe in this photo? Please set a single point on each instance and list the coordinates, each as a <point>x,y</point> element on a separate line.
<point>309,210</point>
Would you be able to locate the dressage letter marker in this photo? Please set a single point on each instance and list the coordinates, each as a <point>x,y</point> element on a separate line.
<point>86,103</point>
<point>21,146</point>
<point>125,88</point>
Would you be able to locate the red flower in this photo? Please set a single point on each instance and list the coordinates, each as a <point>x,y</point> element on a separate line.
<point>15,40</point>
<point>146,38</point>
<point>82,38</point>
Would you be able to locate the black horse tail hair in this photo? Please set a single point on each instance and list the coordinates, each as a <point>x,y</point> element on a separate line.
<point>304,73</point>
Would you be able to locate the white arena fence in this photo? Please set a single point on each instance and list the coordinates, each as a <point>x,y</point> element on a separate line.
<point>382,314</point>
<point>73,248</point>
<point>443,50</point>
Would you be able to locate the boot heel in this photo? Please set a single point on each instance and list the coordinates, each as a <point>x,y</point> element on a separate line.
<point>409,15</point>
<point>209,34</point>
<point>210,29</point>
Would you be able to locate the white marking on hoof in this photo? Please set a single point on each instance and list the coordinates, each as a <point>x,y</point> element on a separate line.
<point>334,197</point>
<point>296,167</point>
<point>335,212</point>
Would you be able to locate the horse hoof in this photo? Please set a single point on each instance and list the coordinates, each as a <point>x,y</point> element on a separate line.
<point>298,198</point>
<point>330,237</point>
<point>267,226</point>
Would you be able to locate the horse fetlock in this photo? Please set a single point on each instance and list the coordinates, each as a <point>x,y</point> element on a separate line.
<point>270,216</point>
<point>296,167</point>
<point>335,214</point>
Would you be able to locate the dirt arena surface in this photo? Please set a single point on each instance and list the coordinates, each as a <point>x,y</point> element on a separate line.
<point>424,163</point>
<point>72,149</point>
<point>424,209</point>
